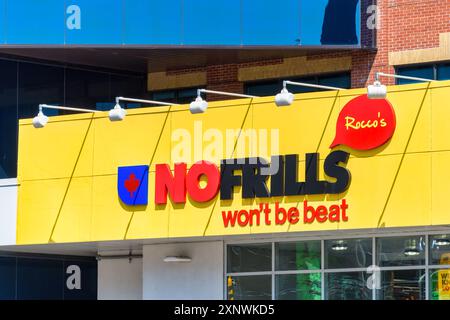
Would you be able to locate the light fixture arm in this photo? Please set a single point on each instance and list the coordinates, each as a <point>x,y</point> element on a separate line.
<point>47,106</point>
<point>118,99</point>
<point>310,85</point>
<point>378,74</point>
<point>200,91</point>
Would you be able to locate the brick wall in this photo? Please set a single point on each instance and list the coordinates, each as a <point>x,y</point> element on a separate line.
<point>404,25</point>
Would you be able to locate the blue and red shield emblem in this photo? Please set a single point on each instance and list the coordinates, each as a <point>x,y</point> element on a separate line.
<point>132,185</point>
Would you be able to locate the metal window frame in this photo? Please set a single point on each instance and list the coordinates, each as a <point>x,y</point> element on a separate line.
<point>322,237</point>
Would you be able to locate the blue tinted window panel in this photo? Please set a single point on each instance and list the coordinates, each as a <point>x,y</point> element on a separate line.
<point>2,21</point>
<point>40,279</point>
<point>8,119</point>
<point>271,22</point>
<point>209,22</point>
<point>88,284</point>
<point>101,23</point>
<point>152,22</point>
<point>339,81</point>
<point>7,278</point>
<point>425,72</point>
<point>443,72</point>
<point>35,22</point>
<point>330,22</point>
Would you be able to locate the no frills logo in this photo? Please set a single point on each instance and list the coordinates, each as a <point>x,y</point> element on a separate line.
<point>365,124</point>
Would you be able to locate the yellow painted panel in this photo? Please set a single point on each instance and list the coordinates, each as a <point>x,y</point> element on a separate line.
<point>130,142</point>
<point>74,221</point>
<point>300,125</point>
<point>202,132</point>
<point>440,98</point>
<point>369,189</point>
<point>410,201</point>
<point>92,210</point>
<point>151,221</point>
<point>440,177</point>
<point>52,151</point>
<point>110,217</point>
<point>38,207</point>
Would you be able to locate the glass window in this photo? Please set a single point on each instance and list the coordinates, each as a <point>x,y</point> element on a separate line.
<point>176,96</point>
<point>249,257</point>
<point>348,253</point>
<point>167,96</point>
<point>249,287</point>
<point>338,80</point>
<point>402,285</point>
<point>39,84</point>
<point>212,29</point>
<point>439,284</point>
<point>84,89</point>
<point>272,87</point>
<point>443,72</point>
<point>300,89</point>
<point>298,286</point>
<point>439,249</point>
<point>297,255</point>
<point>347,286</point>
<point>186,95</point>
<point>401,251</point>
<point>8,119</point>
<point>266,88</point>
<point>426,72</point>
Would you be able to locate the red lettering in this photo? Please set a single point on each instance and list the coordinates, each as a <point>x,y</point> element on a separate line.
<point>243,213</point>
<point>266,212</point>
<point>334,213</point>
<point>306,210</point>
<point>279,211</point>
<point>321,213</point>
<point>166,183</point>
<point>253,213</point>
<point>229,218</point>
<point>212,174</point>
<point>293,215</point>
<point>344,207</point>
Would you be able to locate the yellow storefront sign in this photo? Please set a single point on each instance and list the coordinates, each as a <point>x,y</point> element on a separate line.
<point>68,170</point>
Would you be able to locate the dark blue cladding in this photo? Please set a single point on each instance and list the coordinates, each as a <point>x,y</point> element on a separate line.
<point>180,22</point>
<point>47,278</point>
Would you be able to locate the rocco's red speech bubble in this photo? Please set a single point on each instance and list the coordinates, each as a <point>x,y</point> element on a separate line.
<point>365,124</point>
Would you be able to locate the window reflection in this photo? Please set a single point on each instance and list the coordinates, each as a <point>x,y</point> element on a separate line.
<point>439,249</point>
<point>298,286</point>
<point>347,286</point>
<point>348,253</point>
<point>297,255</point>
<point>249,287</point>
<point>249,258</point>
<point>402,285</point>
<point>401,251</point>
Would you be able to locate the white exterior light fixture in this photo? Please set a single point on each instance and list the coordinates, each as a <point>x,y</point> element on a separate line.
<point>199,105</point>
<point>379,91</point>
<point>285,98</point>
<point>118,113</point>
<point>41,119</point>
